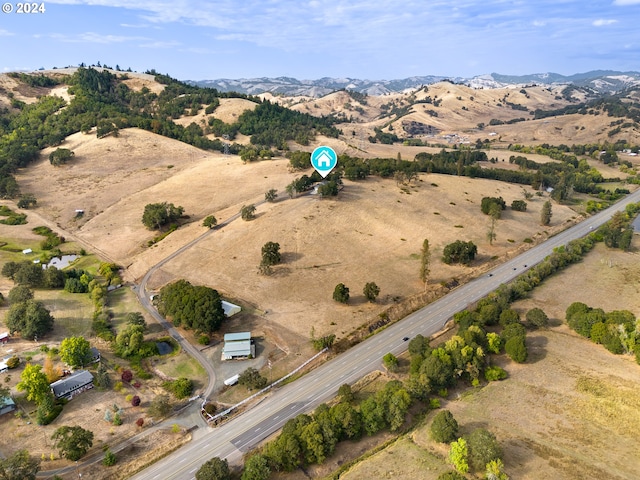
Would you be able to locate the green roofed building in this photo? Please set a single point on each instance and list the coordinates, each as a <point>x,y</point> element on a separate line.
<point>238,345</point>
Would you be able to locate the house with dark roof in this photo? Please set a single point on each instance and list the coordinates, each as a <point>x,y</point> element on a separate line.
<point>72,385</point>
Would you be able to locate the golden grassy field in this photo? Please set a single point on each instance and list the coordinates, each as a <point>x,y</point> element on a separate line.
<point>372,231</point>
<point>581,402</point>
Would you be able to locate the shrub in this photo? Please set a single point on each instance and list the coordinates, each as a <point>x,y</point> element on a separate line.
<point>494,373</point>
<point>13,362</point>
<point>140,422</point>
<point>181,388</point>
<point>135,401</point>
<point>109,458</point>
<point>126,376</point>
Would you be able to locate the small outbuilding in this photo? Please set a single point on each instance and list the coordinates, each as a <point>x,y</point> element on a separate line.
<point>4,338</point>
<point>230,309</point>
<point>7,405</point>
<point>72,385</point>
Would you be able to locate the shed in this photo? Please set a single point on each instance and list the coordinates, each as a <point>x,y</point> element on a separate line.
<point>237,345</point>
<point>7,405</point>
<point>230,309</point>
<point>27,251</point>
<point>94,355</point>
<point>70,386</point>
<point>4,337</point>
<point>237,337</point>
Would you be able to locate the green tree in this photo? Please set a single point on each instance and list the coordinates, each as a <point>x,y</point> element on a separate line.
<point>390,362</point>
<point>516,348</point>
<point>109,458</point>
<point>72,442</point>
<point>135,318</point>
<point>252,379</point>
<point>341,293</point>
<point>157,215</point>
<point>248,212</point>
<point>371,291</point>
<point>60,156</point>
<point>101,378</point>
<point>20,293</point>
<point>75,351</point>
<point>27,200</point>
<point>129,341</point>
<point>30,274</point>
<point>256,468</point>
<point>458,455</point>
<point>345,392</point>
<point>53,278</point>
<point>181,387</point>
<point>495,470</point>
<point>546,213</point>
<point>444,428</point>
<point>210,221</point>
<point>491,231</point>
<point>160,406</point>
<point>196,307</point>
<point>536,318</point>
<point>425,262</point>
<point>459,252</point>
<point>30,318</point>
<point>519,205</point>
<point>214,469</point>
<point>271,254</point>
<point>19,466</point>
<point>483,448</point>
<point>271,195</point>
<point>34,382</point>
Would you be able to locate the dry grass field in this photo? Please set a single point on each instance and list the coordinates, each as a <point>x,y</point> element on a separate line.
<point>582,403</point>
<point>372,231</point>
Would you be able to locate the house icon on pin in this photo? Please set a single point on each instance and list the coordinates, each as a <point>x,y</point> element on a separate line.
<point>324,160</point>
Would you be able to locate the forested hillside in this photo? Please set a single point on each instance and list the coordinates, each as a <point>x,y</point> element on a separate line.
<point>101,100</point>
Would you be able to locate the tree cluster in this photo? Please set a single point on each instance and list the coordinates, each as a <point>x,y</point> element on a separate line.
<point>459,252</point>
<point>195,307</point>
<point>157,215</point>
<point>618,330</point>
<point>492,206</point>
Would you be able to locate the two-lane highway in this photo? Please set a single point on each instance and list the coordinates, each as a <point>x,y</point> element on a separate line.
<point>242,433</point>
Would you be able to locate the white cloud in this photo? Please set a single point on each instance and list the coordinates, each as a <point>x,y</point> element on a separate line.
<point>539,23</point>
<point>92,37</point>
<point>603,22</point>
<point>160,44</point>
<point>5,33</point>
<point>626,2</point>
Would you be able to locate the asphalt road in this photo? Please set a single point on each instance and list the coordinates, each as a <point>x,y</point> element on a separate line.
<point>239,435</point>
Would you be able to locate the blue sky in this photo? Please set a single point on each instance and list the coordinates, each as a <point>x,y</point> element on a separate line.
<point>310,39</point>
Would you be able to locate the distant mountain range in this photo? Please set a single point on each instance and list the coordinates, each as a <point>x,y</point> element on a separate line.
<point>599,81</point>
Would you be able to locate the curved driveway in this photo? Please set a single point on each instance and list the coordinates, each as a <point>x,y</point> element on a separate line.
<point>239,435</point>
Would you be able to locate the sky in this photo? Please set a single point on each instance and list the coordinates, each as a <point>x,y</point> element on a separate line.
<point>311,39</point>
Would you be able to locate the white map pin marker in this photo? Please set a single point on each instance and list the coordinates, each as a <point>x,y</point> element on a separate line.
<point>324,159</point>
